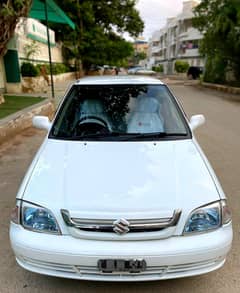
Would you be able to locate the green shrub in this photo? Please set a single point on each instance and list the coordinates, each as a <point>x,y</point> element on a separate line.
<point>215,70</point>
<point>60,68</point>
<point>57,68</point>
<point>158,68</point>
<point>29,70</point>
<point>181,66</point>
<point>38,66</point>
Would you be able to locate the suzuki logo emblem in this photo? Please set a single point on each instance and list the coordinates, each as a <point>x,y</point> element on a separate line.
<point>121,226</point>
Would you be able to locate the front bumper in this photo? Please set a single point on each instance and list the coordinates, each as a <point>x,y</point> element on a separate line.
<point>68,257</point>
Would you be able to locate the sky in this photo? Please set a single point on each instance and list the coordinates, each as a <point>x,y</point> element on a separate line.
<point>155,12</point>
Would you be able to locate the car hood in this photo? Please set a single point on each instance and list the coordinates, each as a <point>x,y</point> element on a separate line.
<point>120,179</point>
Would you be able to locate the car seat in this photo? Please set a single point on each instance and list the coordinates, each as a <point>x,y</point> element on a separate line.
<point>145,117</point>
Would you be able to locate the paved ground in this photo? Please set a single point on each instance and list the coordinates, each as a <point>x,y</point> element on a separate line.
<point>220,139</point>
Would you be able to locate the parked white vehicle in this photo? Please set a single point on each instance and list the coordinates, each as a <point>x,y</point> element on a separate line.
<point>133,69</point>
<point>120,190</point>
<point>138,70</point>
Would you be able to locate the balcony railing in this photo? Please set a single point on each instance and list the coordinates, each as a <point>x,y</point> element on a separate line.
<point>189,53</point>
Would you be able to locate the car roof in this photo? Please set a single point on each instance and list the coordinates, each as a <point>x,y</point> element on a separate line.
<point>117,79</point>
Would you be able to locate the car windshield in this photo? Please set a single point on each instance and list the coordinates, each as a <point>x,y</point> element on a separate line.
<point>119,112</point>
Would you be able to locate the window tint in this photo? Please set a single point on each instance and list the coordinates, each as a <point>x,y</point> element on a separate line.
<point>122,109</point>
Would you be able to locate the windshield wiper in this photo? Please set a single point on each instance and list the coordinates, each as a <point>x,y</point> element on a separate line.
<point>123,136</point>
<point>153,136</point>
<point>95,136</point>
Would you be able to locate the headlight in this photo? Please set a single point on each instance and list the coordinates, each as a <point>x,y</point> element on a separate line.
<point>38,219</point>
<point>209,217</point>
<point>204,219</point>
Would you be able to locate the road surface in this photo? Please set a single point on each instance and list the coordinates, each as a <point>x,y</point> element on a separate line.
<point>220,139</point>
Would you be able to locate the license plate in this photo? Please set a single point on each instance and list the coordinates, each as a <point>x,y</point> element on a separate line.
<point>121,265</point>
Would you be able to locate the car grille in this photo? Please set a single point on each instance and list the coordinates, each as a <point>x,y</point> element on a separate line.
<point>153,269</point>
<point>121,226</point>
<point>92,272</point>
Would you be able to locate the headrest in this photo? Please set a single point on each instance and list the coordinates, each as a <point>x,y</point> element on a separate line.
<point>91,106</point>
<point>147,105</point>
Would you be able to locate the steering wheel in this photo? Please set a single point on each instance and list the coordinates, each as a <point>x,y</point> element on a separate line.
<point>96,126</point>
<point>88,117</point>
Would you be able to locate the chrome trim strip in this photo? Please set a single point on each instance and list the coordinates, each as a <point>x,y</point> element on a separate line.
<point>93,270</point>
<point>108,225</point>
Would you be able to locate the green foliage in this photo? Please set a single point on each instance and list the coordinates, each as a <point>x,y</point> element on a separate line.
<point>136,57</point>
<point>215,70</point>
<point>105,50</point>
<point>29,70</point>
<point>99,28</point>
<point>122,63</point>
<point>59,68</point>
<point>10,13</point>
<point>31,49</point>
<point>181,66</point>
<point>12,8</point>
<point>201,78</point>
<point>158,68</point>
<point>219,20</point>
<point>16,103</point>
<point>38,67</point>
<point>141,55</point>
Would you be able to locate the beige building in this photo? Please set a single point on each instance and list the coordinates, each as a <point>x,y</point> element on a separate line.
<point>140,45</point>
<point>176,40</point>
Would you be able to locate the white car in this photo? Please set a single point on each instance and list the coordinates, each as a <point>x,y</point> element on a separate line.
<point>133,69</point>
<point>145,71</point>
<point>120,189</point>
<point>141,71</point>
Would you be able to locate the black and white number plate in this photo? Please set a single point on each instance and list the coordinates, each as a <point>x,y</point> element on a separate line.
<point>122,265</point>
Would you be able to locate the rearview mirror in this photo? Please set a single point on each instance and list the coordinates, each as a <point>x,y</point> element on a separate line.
<point>196,121</point>
<point>41,122</point>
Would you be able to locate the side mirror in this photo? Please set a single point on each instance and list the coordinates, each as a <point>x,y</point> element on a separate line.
<point>41,122</point>
<point>196,121</point>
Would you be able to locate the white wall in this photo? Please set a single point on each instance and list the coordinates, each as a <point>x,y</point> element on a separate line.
<point>42,53</point>
<point>38,30</point>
